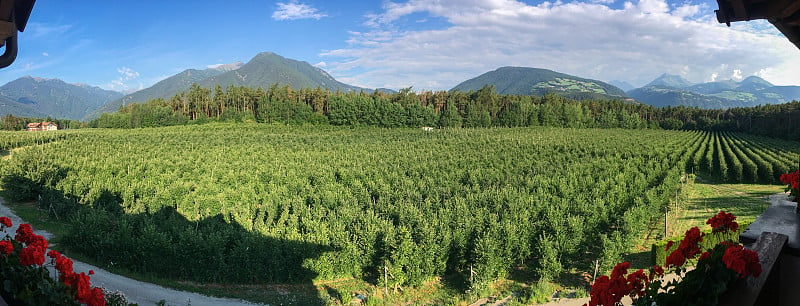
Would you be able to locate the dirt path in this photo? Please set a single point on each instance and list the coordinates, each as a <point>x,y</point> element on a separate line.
<point>137,292</point>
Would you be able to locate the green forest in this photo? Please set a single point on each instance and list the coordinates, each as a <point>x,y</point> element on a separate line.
<point>251,203</point>
<point>481,108</point>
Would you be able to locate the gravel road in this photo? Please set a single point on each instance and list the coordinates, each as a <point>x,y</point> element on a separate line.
<point>137,292</point>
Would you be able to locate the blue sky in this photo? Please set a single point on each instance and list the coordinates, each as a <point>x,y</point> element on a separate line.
<point>128,45</point>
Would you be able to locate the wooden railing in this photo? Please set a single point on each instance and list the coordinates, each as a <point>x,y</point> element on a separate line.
<point>775,235</point>
<point>766,288</point>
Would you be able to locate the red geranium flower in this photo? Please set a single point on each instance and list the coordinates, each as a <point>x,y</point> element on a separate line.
<point>31,255</point>
<point>620,269</point>
<point>83,290</point>
<point>723,222</point>
<point>675,259</point>
<point>38,240</point>
<point>792,179</point>
<point>6,247</point>
<point>24,233</point>
<point>63,266</point>
<point>656,271</point>
<point>691,242</point>
<point>742,261</point>
<point>97,298</point>
<point>637,282</point>
<point>599,293</point>
<point>5,221</point>
<point>53,254</point>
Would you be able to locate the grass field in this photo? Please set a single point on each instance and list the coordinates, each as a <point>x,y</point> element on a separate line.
<point>698,200</point>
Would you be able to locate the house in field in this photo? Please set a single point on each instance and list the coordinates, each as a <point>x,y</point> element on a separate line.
<point>41,126</point>
<point>34,126</point>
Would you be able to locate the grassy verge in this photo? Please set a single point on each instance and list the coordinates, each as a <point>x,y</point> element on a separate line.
<point>700,199</point>
<point>706,198</point>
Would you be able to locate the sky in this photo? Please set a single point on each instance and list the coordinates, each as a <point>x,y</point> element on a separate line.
<point>428,45</point>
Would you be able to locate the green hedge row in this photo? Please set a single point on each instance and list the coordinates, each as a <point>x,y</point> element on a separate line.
<point>659,253</point>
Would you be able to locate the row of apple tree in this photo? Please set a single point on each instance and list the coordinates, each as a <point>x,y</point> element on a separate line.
<point>249,203</point>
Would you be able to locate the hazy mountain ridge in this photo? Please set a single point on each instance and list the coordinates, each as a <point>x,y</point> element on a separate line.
<point>39,97</point>
<point>538,82</point>
<point>673,90</point>
<point>669,80</point>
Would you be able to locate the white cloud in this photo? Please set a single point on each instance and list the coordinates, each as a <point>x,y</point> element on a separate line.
<point>737,75</point>
<point>225,67</point>
<point>295,10</point>
<point>321,64</point>
<point>45,54</point>
<point>38,30</point>
<point>634,43</point>
<point>128,81</point>
<point>127,74</point>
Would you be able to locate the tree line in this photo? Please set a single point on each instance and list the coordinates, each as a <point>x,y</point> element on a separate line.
<point>406,108</point>
<point>10,122</point>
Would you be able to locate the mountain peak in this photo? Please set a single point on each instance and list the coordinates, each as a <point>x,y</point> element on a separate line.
<point>753,83</point>
<point>624,85</point>
<point>670,80</point>
<point>263,70</point>
<point>538,82</point>
<point>267,53</point>
<point>755,80</point>
<point>37,79</point>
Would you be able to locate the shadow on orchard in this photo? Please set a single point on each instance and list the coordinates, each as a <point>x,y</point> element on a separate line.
<point>219,255</point>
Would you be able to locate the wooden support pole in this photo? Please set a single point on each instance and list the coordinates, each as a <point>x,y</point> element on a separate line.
<point>666,217</point>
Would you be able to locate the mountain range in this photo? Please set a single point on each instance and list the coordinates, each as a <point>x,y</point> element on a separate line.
<point>673,90</point>
<point>38,97</point>
<point>263,70</point>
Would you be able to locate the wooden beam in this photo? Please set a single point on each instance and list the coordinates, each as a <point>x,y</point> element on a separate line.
<point>792,8</point>
<point>739,10</point>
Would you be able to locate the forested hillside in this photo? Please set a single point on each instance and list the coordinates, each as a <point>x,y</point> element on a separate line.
<point>538,82</point>
<point>38,97</point>
<point>263,70</point>
<point>481,108</point>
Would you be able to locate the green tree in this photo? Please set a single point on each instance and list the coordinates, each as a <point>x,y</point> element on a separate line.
<point>449,115</point>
